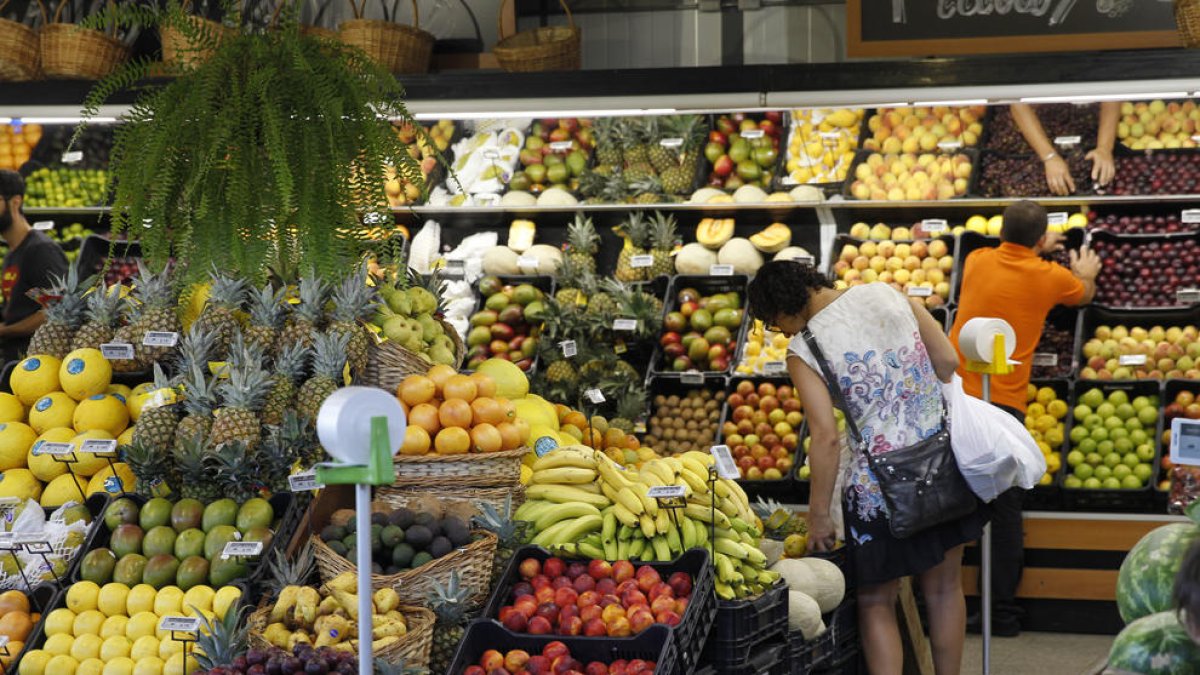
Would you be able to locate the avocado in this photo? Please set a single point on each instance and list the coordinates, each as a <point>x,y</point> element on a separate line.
<point>419,536</point>
<point>435,528</point>
<point>458,534</point>
<point>420,559</point>
<point>423,518</point>
<point>391,536</point>
<point>350,540</point>
<point>97,566</point>
<point>439,547</point>
<point>378,518</point>
<point>337,547</point>
<point>332,533</point>
<point>376,533</point>
<point>402,518</point>
<point>402,555</point>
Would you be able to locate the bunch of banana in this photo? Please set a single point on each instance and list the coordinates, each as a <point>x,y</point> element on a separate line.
<point>580,503</point>
<point>329,617</point>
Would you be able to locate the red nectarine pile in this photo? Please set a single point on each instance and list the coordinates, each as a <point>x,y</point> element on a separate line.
<point>762,429</point>
<point>555,658</point>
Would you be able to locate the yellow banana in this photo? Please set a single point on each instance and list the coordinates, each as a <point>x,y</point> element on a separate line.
<point>563,512</point>
<point>662,522</point>
<point>724,567</point>
<point>568,530</point>
<point>661,550</point>
<point>659,468</point>
<point>724,591</point>
<point>701,499</point>
<point>707,515</point>
<point>629,499</point>
<point>565,494</point>
<point>695,466</point>
<point>642,491</point>
<point>693,481</point>
<point>610,492</point>
<point>728,508</point>
<point>733,549</point>
<point>627,517</point>
<point>563,475</point>
<point>648,527</point>
<point>559,458</point>
<point>650,479</point>
<point>721,488</point>
<point>611,474</point>
<point>687,532</point>
<point>674,541</point>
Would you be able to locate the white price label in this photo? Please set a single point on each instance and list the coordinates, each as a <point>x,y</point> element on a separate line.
<point>1187,296</point>
<point>625,324</point>
<point>595,396</point>
<point>671,142</point>
<point>804,259</point>
<point>158,338</point>
<point>691,377</point>
<point>1190,216</point>
<point>1045,359</point>
<point>179,624</point>
<point>4,643</point>
<point>934,225</point>
<point>43,225</point>
<point>6,541</point>
<point>569,348</point>
<point>73,157</point>
<point>99,446</point>
<point>1057,218</point>
<point>774,368</point>
<point>830,135</point>
<point>454,269</point>
<point>490,153</point>
<point>753,133</point>
<point>1196,138</point>
<point>950,145</point>
<point>639,261</point>
<point>726,467</point>
<point>1068,141</point>
<point>117,351</point>
<point>55,449</point>
<point>41,547</point>
<point>1185,441</point>
<point>1132,360</point>
<point>304,481</point>
<point>721,270</point>
<point>919,291</point>
<point>561,146</point>
<point>666,492</point>
<point>241,548</point>
<point>527,261</point>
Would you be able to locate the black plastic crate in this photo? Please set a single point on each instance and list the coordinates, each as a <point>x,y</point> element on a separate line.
<point>705,285</point>
<point>772,659</point>
<point>952,247</point>
<point>704,167</point>
<point>1093,317</point>
<point>689,636</point>
<point>43,599</point>
<point>743,624</point>
<point>659,385</point>
<point>862,155</point>
<point>781,488</point>
<point>840,642</point>
<point>653,644</point>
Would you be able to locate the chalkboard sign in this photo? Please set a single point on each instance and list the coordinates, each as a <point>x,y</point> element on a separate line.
<point>939,27</point>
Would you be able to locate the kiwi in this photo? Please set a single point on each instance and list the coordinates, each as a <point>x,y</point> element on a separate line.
<point>402,518</point>
<point>332,533</point>
<point>420,559</point>
<point>419,536</point>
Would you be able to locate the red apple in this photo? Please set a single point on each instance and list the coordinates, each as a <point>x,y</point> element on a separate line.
<point>564,597</point>
<point>522,588</point>
<point>622,570</point>
<point>544,595</point>
<point>516,622</point>
<point>599,569</point>
<point>640,666</point>
<point>661,604</point>
<point>640,620</point>
<point>526,605</point>
<point>567,612</point>
<point>587,599</point>
<point>539,582</point>
<point>612,612</point>
<point>554,567</point>
<point>681,605</point>
<point>661,588</point>
<point>608,600</point>
<point>595,668</point>
<point>627,585</point>
<point>562,582</point>
<point>555,649</point>
<point>633,598</point>
<point>538,665</point>
<point>584,583</point>
<point>540,625</point>
<point>575,569</point>
<point>530,568</point>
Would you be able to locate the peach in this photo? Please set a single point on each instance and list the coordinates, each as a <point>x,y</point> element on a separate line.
<point>491,660</point>
<point>619,627</point>
<point>612,612</point>
<point>515,660</point>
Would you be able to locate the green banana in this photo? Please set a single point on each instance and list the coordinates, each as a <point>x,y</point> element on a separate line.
<point>611,548</point>
<point>661,550</point>
<point>724,567</point>
<point>625,532</point>
<point>731,548</point>
<point>623,546</point>
<point>647,554</point>
<point>674,541</point>
<point>593,552</point>
<point>608,528</point>
<point>724,591</point>
<point>636,547</point>
<point>707,515</point>
<point>568,530</point>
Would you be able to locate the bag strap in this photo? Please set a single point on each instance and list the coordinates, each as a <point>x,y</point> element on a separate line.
<point>839,399</point>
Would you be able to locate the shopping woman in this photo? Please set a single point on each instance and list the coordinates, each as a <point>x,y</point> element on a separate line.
<point>888,354</point>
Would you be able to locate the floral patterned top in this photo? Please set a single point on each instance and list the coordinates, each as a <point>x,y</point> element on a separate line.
<point>874,345</point>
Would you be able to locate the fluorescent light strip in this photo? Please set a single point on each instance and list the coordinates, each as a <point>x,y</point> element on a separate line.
<point>630,112</point>
<point>960,103</point>
<point>1103,97</point>
<point>56,120</point>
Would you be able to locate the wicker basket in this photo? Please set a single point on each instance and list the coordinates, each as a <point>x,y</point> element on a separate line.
<point>473,562</point>
<point>413,648</point>
<point>18,50</point>
<point>318,32</point>
<point>483,469</point>
<point>388,363</point>
<point>177,49</point>
<point>70,52</point>
<point>1187,22</point>
<point>400,497</point>
<point>399,48</point>
<point>545,48</point>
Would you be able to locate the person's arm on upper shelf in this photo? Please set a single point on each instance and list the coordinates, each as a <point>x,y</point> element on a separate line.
<point>1103,167</point>
<point>1058,174</point>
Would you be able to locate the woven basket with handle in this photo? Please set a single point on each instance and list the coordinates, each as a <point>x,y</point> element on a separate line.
<point>476,469</point>
<point>70,52</point>
<point>177,47</point>
<point>1187,22</point>
<point>18,50</point>
<point>545,48</point>
<point>388,363</point>
<point>399,48</point>
<point>401,497</point>
<point>413,648</point>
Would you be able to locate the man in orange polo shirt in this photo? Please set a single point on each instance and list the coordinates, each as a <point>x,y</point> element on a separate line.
<point>1013,282</point>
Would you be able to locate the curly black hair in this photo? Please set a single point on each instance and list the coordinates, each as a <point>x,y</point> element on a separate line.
<point>782,288</point>
<point>1187,589</point>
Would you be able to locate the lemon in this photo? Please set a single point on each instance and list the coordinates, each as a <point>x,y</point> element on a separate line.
<point>90,667</point>
<point>115,647</point>
<point>34,663</point>
<point>20,483</point>
<point>1035,410</point>
<point>100,481</point>
<point>86,647</point>
<point>1046,423</point>
<point>11,409</point>
<point>142,624</point>
<point>224,599</point>
<point>61,620</point>
<point>144,646</point>
<point>87,463</point>
<point>169,601</point>
<point>111,599</point>
<point>977,224</point>
<point>62,665</point>
<point>106,412</point>
<point>15,440</point>
<point>175,665</point>
<point>114,625</point>
<point>59,644</point>
<point>994,225</point>
<point>1076,220</point>
<point>1054,437</point>
<point>121,665</point>
<point>81,596</point>
<point>84,373</point>
<point>140,599</point>
<point>1045,395</point>
<point>126,437</point>
<point>65,488</point>
<point>89,622</point>
<point>44,466</point>
<point>168,648</point>
<point>199,597</point>
<point>151,665</point>
<point>1057,408</point>
<point>35,377</point>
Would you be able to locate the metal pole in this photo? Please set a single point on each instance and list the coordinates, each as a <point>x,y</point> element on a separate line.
<point>985,566</point>
<point>362,504</point>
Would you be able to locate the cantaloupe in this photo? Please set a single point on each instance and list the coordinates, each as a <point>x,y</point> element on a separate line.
<point>694,258</point>
<point>798,577</point>
<point>740,253</point>
<point>804,615</point>
<point>518,198</point>
<point>549,259</point>
<point>556,197</point>
<point>829,585</point>
<point>500,260</point>
<point>749,194</point>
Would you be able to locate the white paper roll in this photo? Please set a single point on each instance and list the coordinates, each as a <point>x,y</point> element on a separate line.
<point>977,338</point>
<point>344,422</point>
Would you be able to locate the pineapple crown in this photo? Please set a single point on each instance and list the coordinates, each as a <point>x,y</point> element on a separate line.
<point>632,403</point>
<point>635,229</point>
<point>329,354</point>
<point>293,438</point>
<point>500,524</point>
<point>219,642</point>
<point>195,348</point>
<point>449,602</point>
<point>643,185</point>
<point>246,387</point>
<point>663,230</point>
<point>161,380</point>
<point>237,470</point>
<point>192,455</point>
<point>243,352</point>
<point>353,299</point>
<point>581,235</point>
<point>226,292</point>
<point>200,392</point>
<point>570,274</point>
<point>152,290</point>
<point>688,127</point>
<point>638,130</point>
<point>634,303</point>
<point>608,130</point>
<point>68,309</point>
<point>292,361</point>
<point>295,572</point>
<point>104,305</point>
<point>312,293</point>
<point>267,307</point>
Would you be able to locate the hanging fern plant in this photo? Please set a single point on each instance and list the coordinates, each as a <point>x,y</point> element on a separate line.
<point>265,156</point>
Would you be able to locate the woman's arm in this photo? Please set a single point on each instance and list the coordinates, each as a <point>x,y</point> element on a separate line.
<point>822,452</point>
<point>1103,168</point>
<point>1058,174</point>
<point>941,351</point>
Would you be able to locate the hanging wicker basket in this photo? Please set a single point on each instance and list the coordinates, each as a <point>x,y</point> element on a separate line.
<point>177,47</point>
<point>1187,22</point>
<point>396,47</point>
<point>68,51</point>
<point>545,48</point>
<point>18,50</point>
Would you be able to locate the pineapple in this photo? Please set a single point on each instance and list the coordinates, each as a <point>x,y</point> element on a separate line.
<point>635,135</point>
<point>239,475</point>
<point>267,310</point>
<point>677,167</point>
<point>569,295</point>
<point>193,461</point>
<point>449,603</point>
<point>509,533</point>
<point>242,398</point>
<point>584,243</point>
<point>306,315</point>
<point>63,318</point>
<point>601,304</point>
<point>220,641</point>
<point>631,405</point>
<point>156,313</point>
<point>104,313</point>
<point>293,441</point>
<point>225,298</point>
<point>635,232</point>
<point>353,300</point>
<point>562,373</point>
<point>196,348</point>
<point>662,241</point>
<point>608,142</point>
<point>329,359</point>
<point>200,399</point>
<point>284,572</point>
<point>290,365</point>
<point>151,465</point>
<point>634,303</point>
<point>647,190</point>
<point>155,426</point>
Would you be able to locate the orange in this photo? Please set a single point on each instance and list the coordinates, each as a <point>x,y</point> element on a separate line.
<point>614,437</point>
<point>484,385</point>
<point>460,386</point>
<point>439,374</point>
<point>487,410</point>
<point>16,625</point>
<point>523,428</point>
<point>416,389</point>
<point>510,436</point>
<point>455,412</point>
<point>13,601</point>
<point>561,410</point>
<point>452,441</point>
<point>510,411</point>
<point>486,438</point>
<point>593,438</point>
<point>575,418</point>
<point>416,441</point>
<point>632,442</point>
<point>425,416</point>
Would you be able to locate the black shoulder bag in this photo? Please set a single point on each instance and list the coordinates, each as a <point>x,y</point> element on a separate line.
<point>921,483</point>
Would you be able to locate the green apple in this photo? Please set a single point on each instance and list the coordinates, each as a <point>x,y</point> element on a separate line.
<point>1082,411</point>
<point>1131,460</point>
<point>1118,397</point>
<point>1112,459</point>
<point>1145,452</point>
<point>1111,483</point>
<point>1072,482</point>
<point>1143,471</point>
<point>1132,483</point>
<point>1091,484</point>
<point>1120,471</point>
<point>1084,471</point>
<point>1102,472</point>
<point>1074,458</point>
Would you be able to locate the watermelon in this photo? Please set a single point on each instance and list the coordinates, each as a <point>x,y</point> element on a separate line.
<point>1155,645</point>
<point>1148,572</point>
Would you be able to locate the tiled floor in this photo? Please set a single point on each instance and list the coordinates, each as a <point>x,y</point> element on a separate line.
<point>1057,653</point>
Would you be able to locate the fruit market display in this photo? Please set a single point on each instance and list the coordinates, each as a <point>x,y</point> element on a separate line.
<point>1137,353</point>
<point>821,145</point>
<point>66,188</point>
<point>401,539</point>
<point>17,142</point>
<point>920,269</point>
<point>1025,175</point>
<point>911,177</point>
<point>1168,223</point>
<point>506,326</point>
<point>1058,120</point>
<point>1140,273</point>
<point>679,424</point>
<point>424,147</point>
<point>701,331</point>
<point>405,315</point>
<point>450,414</point>
<point>327,617</point>
<point>645,160</point>
<point>923,129</point>
<point>763,347</point>
<point>1045,413</point>
<point>1113,442</point>
<point>555,154</point>
<point>744,150</point>
<point>554,657</point>
<point>1158,124</point>
<point>762,430</point>
<point>1183,405</point>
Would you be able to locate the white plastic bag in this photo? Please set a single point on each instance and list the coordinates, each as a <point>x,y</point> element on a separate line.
<point>994,451</point>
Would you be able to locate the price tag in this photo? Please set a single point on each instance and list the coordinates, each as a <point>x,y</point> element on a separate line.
<point>721,270</point>
<point>1057,218</point>
<point>691,377</point>
<point>117,351</point>
<point>241,548</point>
<point>625,324</point>
<point>561,146</point>
<point>666,492</point>
<point>73,157</point>
<point>934,225</point>
<point>804,259</point>
<point>639,261</point>
<point>179,624</point>
<point>527,261</point>
<point>726,467</point>
<point>1045,359</point>
<point>54,449</point>
<point>1132,360</point>
<point>454,269</point>
<point>919,291</point>
<point>304,481</point>
<point>753,133</point>
<point>38,548</point>
<point>4,644</point>
<point>1185,441</point>
<point>1196,138</point>
<point>43,225</point>
<point>99,446</point>
<point>1068,141</point>
<point>490,153</point>
<point>1190,216</point>
<point>569,348</point>
<point>671,142</point>
<point>595,396</point>
<point>158,338</point>
<point>775,368</point>
<point>6,541</point>
<point>1187,296</point>
<point>830,135</point>
<point>950,145</point>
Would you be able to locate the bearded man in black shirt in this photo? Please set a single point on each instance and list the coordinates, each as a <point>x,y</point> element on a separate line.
<point>32,261</point>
